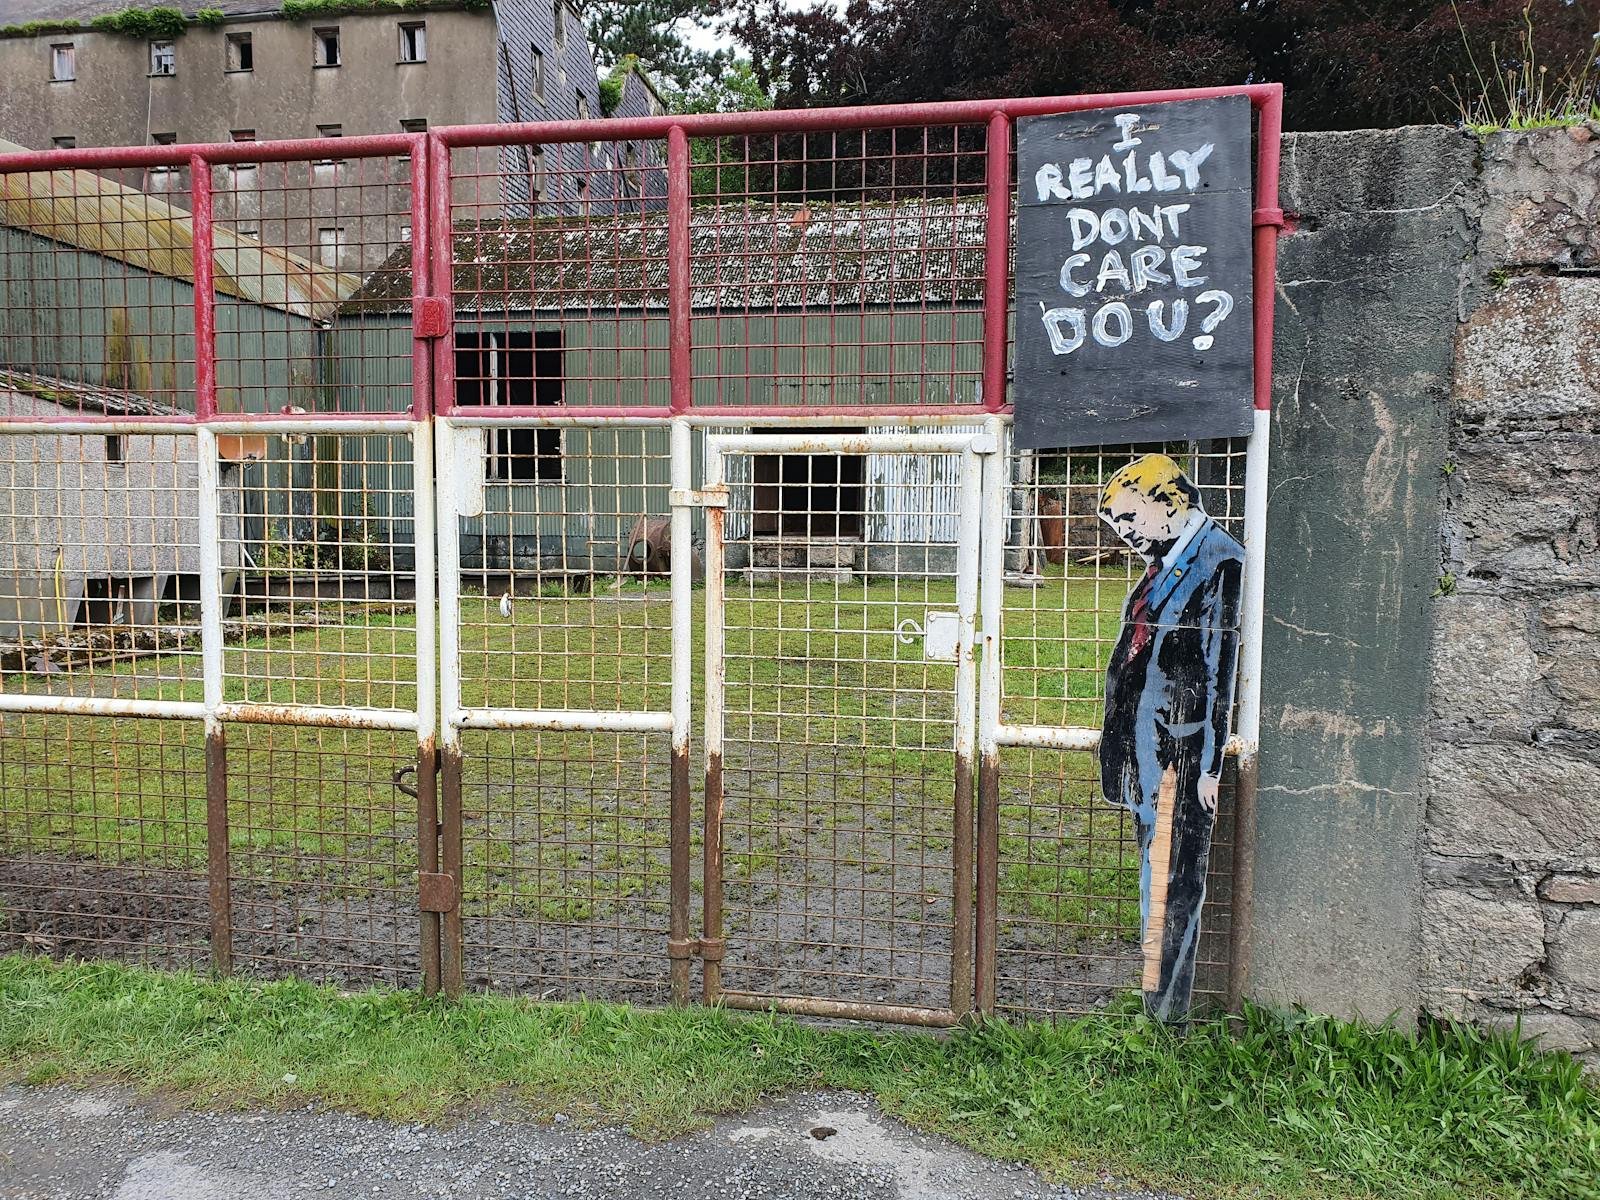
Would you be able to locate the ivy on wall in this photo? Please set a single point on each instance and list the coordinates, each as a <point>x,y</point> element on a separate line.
<point>166,24</point>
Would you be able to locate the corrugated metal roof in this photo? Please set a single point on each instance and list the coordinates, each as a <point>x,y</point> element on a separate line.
<point>91,212</point>
<point>742,258</point>
<point>22,392</point>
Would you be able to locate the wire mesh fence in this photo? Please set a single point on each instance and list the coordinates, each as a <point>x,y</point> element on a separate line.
<point>260,404</point>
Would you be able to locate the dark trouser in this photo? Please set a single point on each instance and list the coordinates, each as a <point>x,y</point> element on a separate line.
<point>1186,880</point>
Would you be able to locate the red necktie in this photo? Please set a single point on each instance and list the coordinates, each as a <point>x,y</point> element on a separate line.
<point>1139,611</point>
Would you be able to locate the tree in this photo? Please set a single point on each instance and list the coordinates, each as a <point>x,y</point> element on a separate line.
<point>1344,65</point>
<point>653,32</point>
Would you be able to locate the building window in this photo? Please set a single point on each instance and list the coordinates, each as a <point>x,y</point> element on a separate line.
<point>537,59</point>
<point>630,169</point>
<point>405,233</point>
<point>116,449</point>
<point>325,46</point>
<point>329,131</point>
<point>244,168</point>
<point>63,63</point>
<point>538,178</point>
<point>583,107</point>
<point>163,58</point>
<point>64,143</point>
<point>241,52</point>
<point>560,17</point>
<point>522,368</point>
<point>330,245</point>
<point>158,176</point>
<point>413,42</point>
<point>414,124</point>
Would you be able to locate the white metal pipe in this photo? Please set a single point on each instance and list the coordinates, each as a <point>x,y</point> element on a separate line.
<point>1070,737</point>
<point>707,419</point>
<point>101,706</point>
<point>682,451</point>
<point>992,538</point>
<point>448,533</point>
<point>322,716</point>
<point>716,596</point>
<point>422,526</point>
<point>329,423</point>
<point>842,443</point>
<point>209,529</point>
<point>107,425</point>
<point>971,491</point>
<point>560,720</point>
<point>1252,607</point>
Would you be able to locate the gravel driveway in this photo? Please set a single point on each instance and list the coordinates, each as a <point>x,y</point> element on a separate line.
<point>63,1144</point>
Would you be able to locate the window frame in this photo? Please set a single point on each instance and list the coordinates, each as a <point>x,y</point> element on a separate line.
<point>322,132</point>
<point>233,62</point>
<point>339,245</point>
<point>536,60</point>
<point>169,58</point>
<point>240,137</point>
<point>420,44</point>
<point>71,58</point>
<point>319,48</point>
<point>539,450</point>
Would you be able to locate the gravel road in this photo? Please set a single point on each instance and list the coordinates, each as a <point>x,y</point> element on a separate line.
<point>67,1144</point>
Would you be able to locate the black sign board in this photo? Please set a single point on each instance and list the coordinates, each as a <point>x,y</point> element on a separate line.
<point>1134,274</point>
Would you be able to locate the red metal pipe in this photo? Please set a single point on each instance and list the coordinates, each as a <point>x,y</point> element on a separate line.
<point>205,293</point>
<point>90,158</point>
<point>1268,220</point>
<point>421,277</point>
<point>678,299</point>
<point>802,120</point>
<point>997,262</point>
<point>441,282</point>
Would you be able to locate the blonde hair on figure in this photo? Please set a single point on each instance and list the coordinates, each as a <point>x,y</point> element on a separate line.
<point>1156,476</point>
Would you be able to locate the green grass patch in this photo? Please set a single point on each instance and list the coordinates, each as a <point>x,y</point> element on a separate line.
<point>1292,1107</point>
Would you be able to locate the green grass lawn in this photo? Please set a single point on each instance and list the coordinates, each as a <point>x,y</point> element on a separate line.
<point>1286,1107</point>
<point>809,665</point>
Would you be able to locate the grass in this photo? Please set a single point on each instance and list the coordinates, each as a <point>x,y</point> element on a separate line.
<point>1522,92</point>
<point>848,725</point>
<point>1292,1107</point>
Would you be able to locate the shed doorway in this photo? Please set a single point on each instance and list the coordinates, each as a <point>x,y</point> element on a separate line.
<point>809,495</point>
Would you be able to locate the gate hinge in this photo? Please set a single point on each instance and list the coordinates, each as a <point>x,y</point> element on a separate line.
<point>432,317</point>
<point>699,497</point>
<point>709,949</point>
<point>436,892</point>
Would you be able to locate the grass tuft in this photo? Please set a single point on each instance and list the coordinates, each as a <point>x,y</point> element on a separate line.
<point>1287,1106</point>
<point>1521,91</point>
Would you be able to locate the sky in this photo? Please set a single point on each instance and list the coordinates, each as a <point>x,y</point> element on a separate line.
<point>714,39</point>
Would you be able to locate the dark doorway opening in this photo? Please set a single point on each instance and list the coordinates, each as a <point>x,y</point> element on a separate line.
<point>809,495</point>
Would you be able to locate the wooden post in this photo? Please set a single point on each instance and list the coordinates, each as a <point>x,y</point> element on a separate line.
<point>1160,874</point>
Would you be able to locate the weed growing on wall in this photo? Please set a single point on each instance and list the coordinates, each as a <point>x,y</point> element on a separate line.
<point>151,24</point>
<point>1525,92</point>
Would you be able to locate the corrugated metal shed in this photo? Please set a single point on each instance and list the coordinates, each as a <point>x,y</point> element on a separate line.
<point>27,393</point>
<point>91,212</point>
<point>742,258</point>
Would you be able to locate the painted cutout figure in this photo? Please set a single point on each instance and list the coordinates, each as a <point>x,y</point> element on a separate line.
<point>1169,704</point>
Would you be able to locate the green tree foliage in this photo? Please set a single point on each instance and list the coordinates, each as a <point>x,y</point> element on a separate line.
<point>1344,65</point>
<point>654,32</point>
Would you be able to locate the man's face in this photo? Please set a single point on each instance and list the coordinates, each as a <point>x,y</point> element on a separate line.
<point>1141,521</point>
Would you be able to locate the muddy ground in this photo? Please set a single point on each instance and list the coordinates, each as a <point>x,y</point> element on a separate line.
<point>855,949</point>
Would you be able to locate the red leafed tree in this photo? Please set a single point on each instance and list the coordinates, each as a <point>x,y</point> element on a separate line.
<point>1344,65</point>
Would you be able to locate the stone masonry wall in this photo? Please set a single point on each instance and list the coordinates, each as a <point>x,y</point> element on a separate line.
<point>1510,914</point>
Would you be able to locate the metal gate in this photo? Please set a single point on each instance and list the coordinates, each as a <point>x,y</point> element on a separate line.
<point>387,512</point>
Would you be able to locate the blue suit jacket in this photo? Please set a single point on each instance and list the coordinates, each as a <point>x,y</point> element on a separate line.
<point>1176,696</point>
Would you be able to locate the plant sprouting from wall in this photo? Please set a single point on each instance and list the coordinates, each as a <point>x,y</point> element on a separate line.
<point>1519,89</point>
<point>155,24</point>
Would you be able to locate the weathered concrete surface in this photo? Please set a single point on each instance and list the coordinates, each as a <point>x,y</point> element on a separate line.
<point>1371,282</point>
<point>57,1143</point>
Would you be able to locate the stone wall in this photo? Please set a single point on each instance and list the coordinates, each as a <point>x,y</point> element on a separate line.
<point>1429,829</point>
<point>1511,855</point>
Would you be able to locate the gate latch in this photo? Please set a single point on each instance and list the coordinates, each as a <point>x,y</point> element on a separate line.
<point>436,892</point>
<point>699,497</point>
<point>432,317</point>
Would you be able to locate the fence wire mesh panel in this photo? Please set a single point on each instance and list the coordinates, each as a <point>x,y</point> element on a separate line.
<point>103,839</point>
<point>1068,862</point>
<point>842,836</point>
<point>563,622</point>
